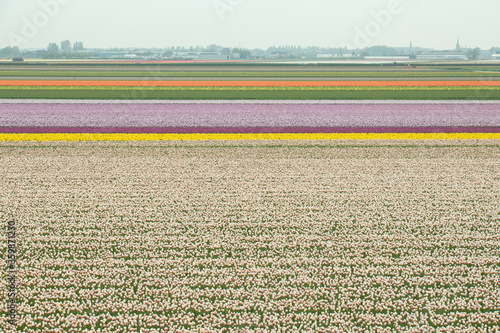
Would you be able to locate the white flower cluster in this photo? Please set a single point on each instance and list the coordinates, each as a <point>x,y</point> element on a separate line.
<point>331,238</point>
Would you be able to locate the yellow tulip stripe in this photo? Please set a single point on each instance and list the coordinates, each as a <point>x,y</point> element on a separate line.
<point>242,136</point>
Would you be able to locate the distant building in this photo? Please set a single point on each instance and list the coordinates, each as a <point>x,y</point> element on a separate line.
<point>441,55</point>
<point>17,59</point>
<point>331,55</point>
<point>213,56</point>
<point>485,55</point>
<point>205,55</point>
<point>387,58</point>
<point>108,54</point>
<point>282,54</point>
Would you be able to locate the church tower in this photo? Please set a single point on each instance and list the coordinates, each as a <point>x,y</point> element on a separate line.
<point>458,45</point>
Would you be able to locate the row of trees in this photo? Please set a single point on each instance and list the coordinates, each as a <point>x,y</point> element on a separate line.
<point>474,54</point>
<point>53,51</point>
<point>64,50</point>
<point>65,47</point>
<point>10,52</point>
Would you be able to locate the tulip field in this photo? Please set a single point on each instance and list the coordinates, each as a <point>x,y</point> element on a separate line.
<point>250,203</point>
<point>299,236</point>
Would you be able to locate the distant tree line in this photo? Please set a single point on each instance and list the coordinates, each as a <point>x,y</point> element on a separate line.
<point>474,54</point>
<point>64,50</point>
<point>10,52</point>
<point>65,46</point>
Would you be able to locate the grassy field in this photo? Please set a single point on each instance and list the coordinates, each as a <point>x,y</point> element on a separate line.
<point>480,93</point>
<point>349,236</point>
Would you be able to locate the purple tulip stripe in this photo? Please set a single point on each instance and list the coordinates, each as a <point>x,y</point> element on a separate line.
<point>246,117</point>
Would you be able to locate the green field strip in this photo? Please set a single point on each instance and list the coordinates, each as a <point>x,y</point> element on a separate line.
<point>265,94</point>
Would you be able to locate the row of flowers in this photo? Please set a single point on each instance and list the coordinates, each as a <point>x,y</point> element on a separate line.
<point>262,238</point>
<point>263,114</point>
<point>241,136</point>
<point>146,87</point>
<point>229,83</point>
<point>160,73</point>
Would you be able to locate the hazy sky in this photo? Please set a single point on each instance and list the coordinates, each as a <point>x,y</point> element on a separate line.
<point>251,23</point>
